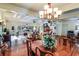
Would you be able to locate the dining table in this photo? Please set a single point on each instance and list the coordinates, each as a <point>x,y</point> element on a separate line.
<point>57,52</point>
<point>39,44</point>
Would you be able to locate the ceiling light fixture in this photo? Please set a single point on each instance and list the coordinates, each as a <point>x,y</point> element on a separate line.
<point>50,13</point>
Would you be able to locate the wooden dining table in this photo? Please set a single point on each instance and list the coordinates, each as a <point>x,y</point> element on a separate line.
<point>60,49</point>
<point>39,44</point>
<point>57,52</point>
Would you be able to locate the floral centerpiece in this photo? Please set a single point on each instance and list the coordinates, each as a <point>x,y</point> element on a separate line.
<point>49,42</point>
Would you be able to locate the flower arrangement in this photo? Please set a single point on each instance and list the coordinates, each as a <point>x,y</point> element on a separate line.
<point>49,42</point>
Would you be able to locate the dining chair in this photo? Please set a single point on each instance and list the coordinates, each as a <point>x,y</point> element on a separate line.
<point>29,48</point>
<point>39,52</point>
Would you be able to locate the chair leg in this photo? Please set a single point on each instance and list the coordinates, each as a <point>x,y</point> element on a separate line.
<point>27,47</point>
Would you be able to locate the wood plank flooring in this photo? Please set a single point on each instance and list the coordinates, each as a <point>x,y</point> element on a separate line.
<point>21,50</point>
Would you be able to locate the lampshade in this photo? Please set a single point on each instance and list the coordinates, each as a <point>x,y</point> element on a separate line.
<point>42,16</point>
<point>5,23</point>
<point>49,16</point>
<point>46,7</point>
<point>55,9</point>
<point>1,20</point>
<point>41,12</point>
<point>59,12</point>
<point>55,16</point>
<point>50,5</point>
<point>45,11</point>
<point>49,10</point>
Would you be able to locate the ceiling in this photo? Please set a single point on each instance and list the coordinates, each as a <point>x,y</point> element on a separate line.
<point>33,8</point>
<point>39,6</point>
<point>65,7</point>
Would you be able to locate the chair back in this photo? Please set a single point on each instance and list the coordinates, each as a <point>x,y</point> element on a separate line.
<point>42,53</point>
<point>29,49</point>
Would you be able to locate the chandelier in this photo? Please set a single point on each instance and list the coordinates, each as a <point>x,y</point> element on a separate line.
<point>50,13</point>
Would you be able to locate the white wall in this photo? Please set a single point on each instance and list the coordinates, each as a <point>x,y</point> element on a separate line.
<point>58,27</point>
<point>61,26</point>
<point>20,22</point>
<point>69,25</point>
<point>15,24</point>
<point>0,29</point>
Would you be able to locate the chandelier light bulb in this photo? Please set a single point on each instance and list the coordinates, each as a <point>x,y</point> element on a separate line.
<point>55,9</point>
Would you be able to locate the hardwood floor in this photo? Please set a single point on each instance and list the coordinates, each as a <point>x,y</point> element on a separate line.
<point>21,50</point>
<point>17,51</point>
